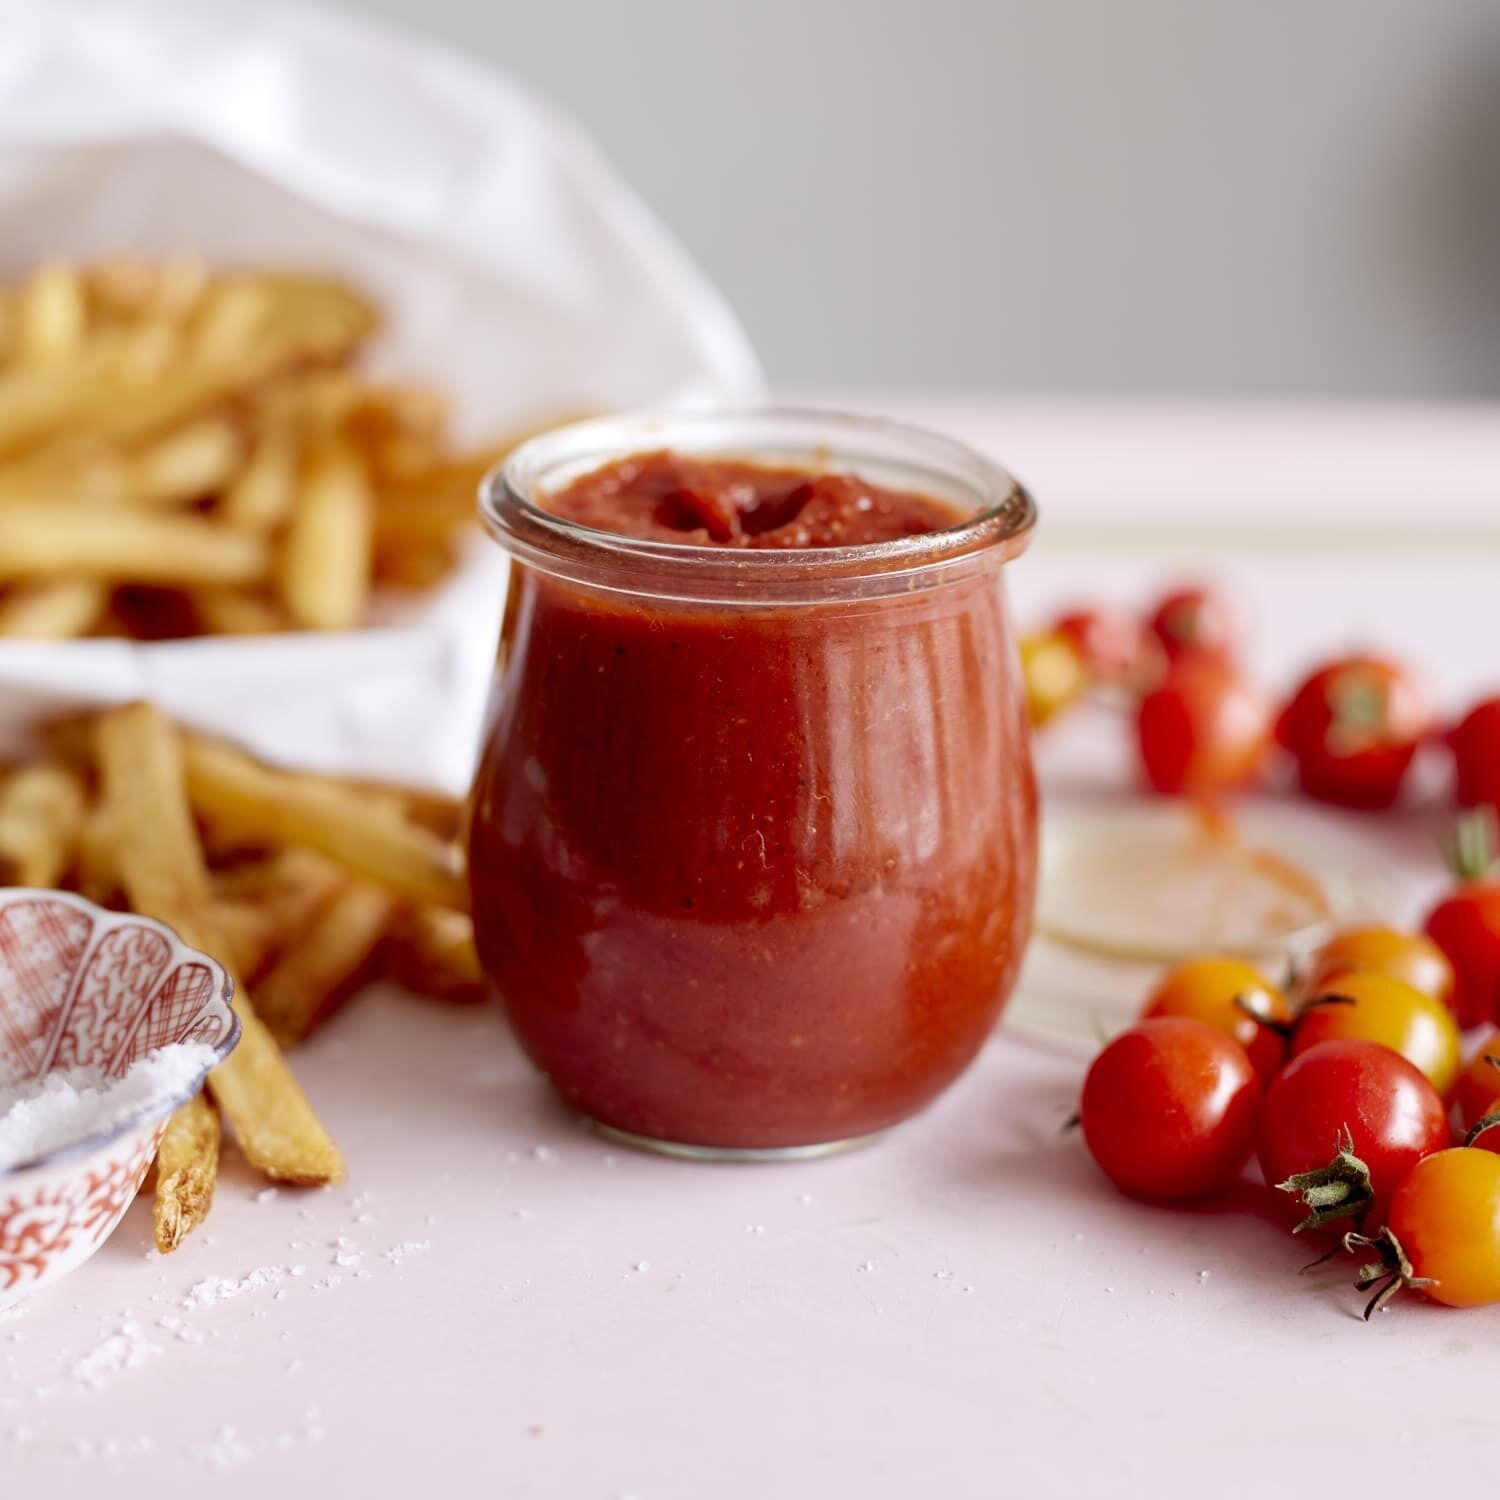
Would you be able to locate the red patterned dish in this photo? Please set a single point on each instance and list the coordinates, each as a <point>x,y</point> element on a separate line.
<point>84,987</point>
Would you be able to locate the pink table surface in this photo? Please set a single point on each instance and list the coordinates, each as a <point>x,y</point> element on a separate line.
<point>498,1302</point>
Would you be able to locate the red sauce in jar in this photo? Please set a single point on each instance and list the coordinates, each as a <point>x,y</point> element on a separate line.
<point>753,877</point>
<point>670,497</point>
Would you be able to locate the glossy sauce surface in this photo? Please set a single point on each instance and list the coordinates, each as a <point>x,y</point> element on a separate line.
<point>754,877</point>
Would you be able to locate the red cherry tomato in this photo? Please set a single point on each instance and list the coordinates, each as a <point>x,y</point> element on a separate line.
<point>1475,743</point>
<point>1220,992</point>
<point>1466,926</point>
<point>1353,728</point>
<point>1115,647</point>
<point>1203,731</point>
<point>1195,621</point>
<point>1355,1091</point>
<point>1169,1108</point>
<point>1478,1091</point>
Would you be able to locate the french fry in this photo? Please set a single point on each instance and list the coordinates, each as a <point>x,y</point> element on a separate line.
<point>53,611</point>
<point>135,385</point>
<point>325,560</point>
<point>367,839</point>
<point>126,288</point>
<point>41,818</point>
<point>321,967</point>
<point>72,472</point>
<point>289,886</point>
<point>187,464</point>
<point>250,932</point>
<point>271,1118</point>
<point>39,541</point>
<point>164,875</point>
<point>98,872</point>
<point>262,496</point>
<point>53,314</point>
<point>235,612</point>
<point>187,1167</point>
<point>430,951</point>
<point>39,400</point>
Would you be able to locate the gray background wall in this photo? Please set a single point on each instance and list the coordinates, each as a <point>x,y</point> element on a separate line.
<point>1296,197</point>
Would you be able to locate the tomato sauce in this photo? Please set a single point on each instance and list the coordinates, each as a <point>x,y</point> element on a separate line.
<point>753,877</point>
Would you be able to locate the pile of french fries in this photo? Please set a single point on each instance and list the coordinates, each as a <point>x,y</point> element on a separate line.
<point>304,886</point>
<point>185,453</point>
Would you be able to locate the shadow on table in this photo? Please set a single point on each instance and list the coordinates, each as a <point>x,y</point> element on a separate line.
<point>1043,1166</point>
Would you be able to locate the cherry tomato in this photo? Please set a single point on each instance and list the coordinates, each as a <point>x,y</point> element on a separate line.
<point>1212,989</point>
<point>1466,926</point>
<point>1479,1084</point>
<point>1445,1216</point>
<point>1053,674</point>
<point>1353,728</point>
<point>1169,1108</point>
<point>1475,743</point>
<point>1195,621</point>
<point>1114,647</point>
<point>1385,950</point>
<point>1357,1091</point>
<point>1385,1010</point>
<point>1203,731</point>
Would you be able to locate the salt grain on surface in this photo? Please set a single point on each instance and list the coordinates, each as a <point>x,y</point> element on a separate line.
<point>397,1253</point>
<point>69,1105</point>
<point>214,1289</point>
<point>227,1450</point>
<point>125,1349</point>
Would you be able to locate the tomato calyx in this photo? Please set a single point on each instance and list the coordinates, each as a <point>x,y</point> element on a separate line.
<point>1340,1190</point>
<point>1392,1272</point>
<point>1474,847</point>
<point>1487,1122</point>
<point>1286,1030</point>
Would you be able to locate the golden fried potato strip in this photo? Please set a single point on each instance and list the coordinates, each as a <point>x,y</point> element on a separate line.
<point>187,1167</point>
<point>368,838</point>
<point>164,875</point>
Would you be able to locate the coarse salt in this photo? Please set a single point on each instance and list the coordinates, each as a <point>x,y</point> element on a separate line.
<point>69,1105</point>
<point>214,1289</point>
<point>126,1349</point>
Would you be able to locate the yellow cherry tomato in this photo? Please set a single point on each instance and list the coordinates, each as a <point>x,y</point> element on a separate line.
<point>1055,676</point>
<point>1385,950</point>
<point>1207,989</point>
<point>1479,1083</point>
<point>1446,1217</point>
<point>1381,1008</point>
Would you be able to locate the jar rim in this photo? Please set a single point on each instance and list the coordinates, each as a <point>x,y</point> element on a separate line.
<point>997,527</point>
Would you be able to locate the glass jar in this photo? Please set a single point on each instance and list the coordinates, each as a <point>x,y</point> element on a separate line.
<point>753,835</point>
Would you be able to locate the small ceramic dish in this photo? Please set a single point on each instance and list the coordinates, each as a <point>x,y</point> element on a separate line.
<point>85,987</point>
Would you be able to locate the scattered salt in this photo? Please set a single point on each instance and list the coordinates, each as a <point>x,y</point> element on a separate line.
<point>267,1195</point>
<point>543,1153</point>
<point>214,1289</point>
<point>227,1450</point>
<point>397,1253</point>
<point>183,1332</point>
<point>125,1349</point>
<point>867,1265</point>
<point>68,1105</point>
